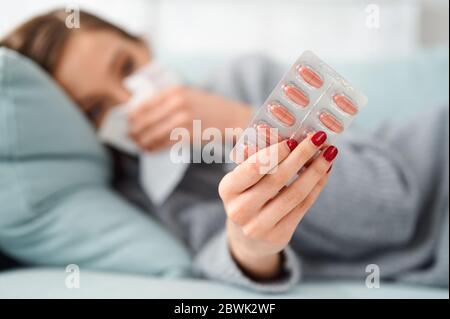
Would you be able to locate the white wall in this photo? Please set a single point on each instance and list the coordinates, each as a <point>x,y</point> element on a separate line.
<point>134,14</point>
<point>287,29</point>
<point>333,28</point>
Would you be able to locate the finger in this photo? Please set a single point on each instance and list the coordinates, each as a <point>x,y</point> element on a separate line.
<point>147,105</point>
<point>247,204</point>
<point>164,141</point>
<point>254,168</point>
<point>324,146</point>
<point>249,150</point>
<point>153,102</point>
<point>154,116</point>
<point>265,136</point>
<point>241,209</point>
<point>162,130</point>
<point>293,195</point>
<point>306,150</point>
<point>284,229</point>
<point>159,145</point>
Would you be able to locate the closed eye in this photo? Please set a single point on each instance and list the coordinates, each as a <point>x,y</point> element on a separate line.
<point>128,67</point>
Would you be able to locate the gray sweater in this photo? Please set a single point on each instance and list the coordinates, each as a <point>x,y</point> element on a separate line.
<point>386,202</point>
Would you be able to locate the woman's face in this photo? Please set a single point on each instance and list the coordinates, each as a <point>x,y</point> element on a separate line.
<point>93,67</point>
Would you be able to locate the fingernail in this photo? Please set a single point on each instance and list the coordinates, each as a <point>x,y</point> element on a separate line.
<point>329,169</point>
<point>319,138</point>
<point>330,153</point>
<point>292,144</point>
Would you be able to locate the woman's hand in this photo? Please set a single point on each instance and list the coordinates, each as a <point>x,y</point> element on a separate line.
<point>262,213</point>
<point>153,121</point>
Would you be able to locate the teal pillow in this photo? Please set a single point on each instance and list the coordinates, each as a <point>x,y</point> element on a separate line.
<point>56,207</point>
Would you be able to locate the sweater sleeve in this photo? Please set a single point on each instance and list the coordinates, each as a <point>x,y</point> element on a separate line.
<point>214,261</point>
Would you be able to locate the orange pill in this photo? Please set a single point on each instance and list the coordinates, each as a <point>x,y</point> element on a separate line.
<point>282,114</point>
<point>310,77</point>
<point>296,95</point>
<point>269,132</point>
<point>331,122</point>
<point>345,104</point>
<point>240,154</point>
<point>249,150</point>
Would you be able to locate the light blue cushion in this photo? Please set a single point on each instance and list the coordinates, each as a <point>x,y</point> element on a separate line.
<point>55,204</point>
<point>50,283</point>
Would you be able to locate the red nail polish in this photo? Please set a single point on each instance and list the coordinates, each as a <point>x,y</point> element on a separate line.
<point>292,144</point>
<point>319,138</point>
<point>329,169</point>
<point>330,153</point>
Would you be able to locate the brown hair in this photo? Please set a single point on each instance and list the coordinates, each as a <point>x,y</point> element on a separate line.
<point>44,37</point>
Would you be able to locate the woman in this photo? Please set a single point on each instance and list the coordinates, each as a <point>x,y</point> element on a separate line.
<point>373,211</point>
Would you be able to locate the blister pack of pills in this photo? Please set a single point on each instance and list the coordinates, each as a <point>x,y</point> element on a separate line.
<point>310,97</point>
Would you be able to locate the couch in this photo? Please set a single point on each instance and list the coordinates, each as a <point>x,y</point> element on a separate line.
<point>55,175</point>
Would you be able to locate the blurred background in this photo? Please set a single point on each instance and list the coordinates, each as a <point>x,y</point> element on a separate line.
<point>278,28</point>
<point>395,51</point>
<point>366,41</point>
